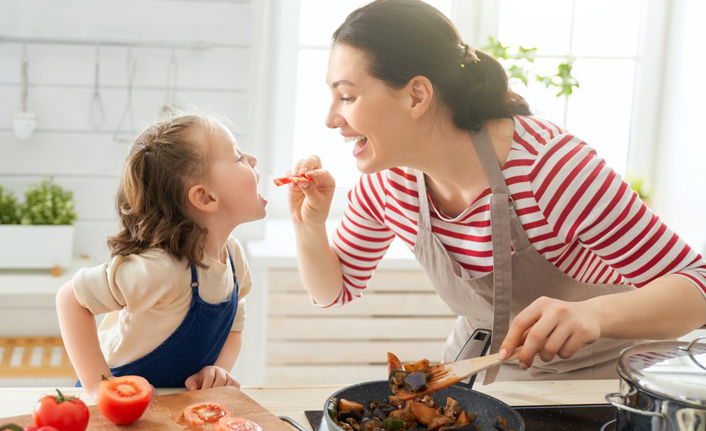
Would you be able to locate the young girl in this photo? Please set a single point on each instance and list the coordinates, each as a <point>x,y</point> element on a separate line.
<point>174,289</point>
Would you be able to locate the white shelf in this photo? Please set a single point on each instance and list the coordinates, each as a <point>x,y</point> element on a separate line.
<point>278,248</point>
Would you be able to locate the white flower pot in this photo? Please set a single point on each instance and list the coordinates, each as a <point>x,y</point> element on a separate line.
<point>35,246</point>
<point>24,124</point>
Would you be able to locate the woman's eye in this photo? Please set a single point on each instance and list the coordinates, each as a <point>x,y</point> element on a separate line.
<point>346,99</point>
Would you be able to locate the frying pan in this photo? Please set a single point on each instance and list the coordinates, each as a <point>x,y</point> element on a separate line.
<point>486,407</point>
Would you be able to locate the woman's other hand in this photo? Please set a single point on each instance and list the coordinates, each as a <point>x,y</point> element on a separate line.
<point>309,202</point>
<point>551,328</point>
<point>210,377</point>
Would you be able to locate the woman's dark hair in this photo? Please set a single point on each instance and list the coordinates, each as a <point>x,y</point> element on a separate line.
<point>408,38</point>
<point>152,195</point>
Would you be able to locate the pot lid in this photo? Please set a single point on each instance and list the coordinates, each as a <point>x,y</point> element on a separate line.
<point>674,370</point>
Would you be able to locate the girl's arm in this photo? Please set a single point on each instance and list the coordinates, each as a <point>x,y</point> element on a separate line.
<point>230,351</point>
<point>80,336</point>
<point>218,374</point>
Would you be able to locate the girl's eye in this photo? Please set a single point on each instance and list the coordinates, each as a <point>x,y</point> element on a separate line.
<point>346,99</point>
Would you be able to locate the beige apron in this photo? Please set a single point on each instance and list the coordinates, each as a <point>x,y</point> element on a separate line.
<point>518,278</point>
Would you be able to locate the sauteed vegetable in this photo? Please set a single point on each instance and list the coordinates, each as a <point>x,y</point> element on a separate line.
<point>414,415</point>
<point>412,378</point>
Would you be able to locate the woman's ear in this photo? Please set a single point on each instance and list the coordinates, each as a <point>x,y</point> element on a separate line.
<point>422,93</point>
<point>202,200</point>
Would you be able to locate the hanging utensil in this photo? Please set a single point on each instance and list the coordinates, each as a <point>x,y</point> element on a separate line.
<point>96,111</point>
<point>24,121</point>
<point>170,104</point>
<point>130,133</point>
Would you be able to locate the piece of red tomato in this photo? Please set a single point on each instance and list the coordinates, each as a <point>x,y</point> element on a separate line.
<point>299,178</point>
<point>237,424</point>
<point>123,400</point>
<point>61,412</point>
<point>202,413</point>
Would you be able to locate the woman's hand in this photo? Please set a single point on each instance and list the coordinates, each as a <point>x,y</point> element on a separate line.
<point>210,377</point>
<point>551,327</point>
<point>309,202</point>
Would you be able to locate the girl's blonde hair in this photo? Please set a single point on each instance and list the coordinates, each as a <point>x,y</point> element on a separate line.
<point>152,196</point>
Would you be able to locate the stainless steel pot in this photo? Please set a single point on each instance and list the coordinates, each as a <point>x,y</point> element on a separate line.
<point>662,387</point>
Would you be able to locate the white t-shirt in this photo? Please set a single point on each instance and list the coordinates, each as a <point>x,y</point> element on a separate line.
<point>147,296</point>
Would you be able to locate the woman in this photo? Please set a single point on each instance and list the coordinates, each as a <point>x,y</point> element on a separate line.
<point>576,266</point>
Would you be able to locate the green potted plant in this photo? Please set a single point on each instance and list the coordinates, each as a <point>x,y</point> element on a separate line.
<point>641,187</point>
<point>39,232</point>
<point>519,65</point>
<point>9,210</point>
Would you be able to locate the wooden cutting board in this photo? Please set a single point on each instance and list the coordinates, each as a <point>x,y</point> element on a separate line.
<point>165,412</point>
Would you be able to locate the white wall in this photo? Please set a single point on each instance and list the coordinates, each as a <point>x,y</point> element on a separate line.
<point>61,80</point>
<point>680,196</point>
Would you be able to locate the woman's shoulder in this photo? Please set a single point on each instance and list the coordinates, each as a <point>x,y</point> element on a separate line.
<point>533,133</point>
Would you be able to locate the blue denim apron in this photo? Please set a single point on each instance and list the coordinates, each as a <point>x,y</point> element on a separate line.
<point>196,343</point>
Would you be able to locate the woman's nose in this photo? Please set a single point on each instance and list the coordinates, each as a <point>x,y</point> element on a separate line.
<point>334,119</point>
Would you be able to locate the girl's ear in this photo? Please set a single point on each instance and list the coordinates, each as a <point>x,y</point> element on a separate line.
<point>202,200</point>
<point>421,93</point>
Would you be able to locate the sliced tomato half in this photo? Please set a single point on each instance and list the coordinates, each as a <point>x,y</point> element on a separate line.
<point>238,424</point>
<point>299,178</point>
<point>202,413</point>
<point>123,400</point>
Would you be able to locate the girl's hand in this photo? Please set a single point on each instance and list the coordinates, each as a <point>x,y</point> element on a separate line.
<point>210,377</point>
<point>309,202</point>
<point>551,327</point>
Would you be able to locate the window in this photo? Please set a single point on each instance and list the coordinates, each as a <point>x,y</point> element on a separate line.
<point>602,38</point>
<point>614,110</point>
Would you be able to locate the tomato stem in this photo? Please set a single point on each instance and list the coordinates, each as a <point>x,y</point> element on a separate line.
<point>12,427</point>
<point>62,398</point>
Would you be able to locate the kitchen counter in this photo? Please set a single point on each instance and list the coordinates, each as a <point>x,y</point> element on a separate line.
<point>292,401</point>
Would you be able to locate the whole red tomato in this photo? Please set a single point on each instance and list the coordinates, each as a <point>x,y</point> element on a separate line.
<point>60,412</point>
<point>123,400</point>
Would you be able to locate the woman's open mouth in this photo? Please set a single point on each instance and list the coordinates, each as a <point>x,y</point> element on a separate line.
<point>360,143</point>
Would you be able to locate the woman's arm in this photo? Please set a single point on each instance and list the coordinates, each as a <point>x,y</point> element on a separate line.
<point>588,205</point>
<point>309,205</point>
<point>668,307</point>
<point>78,330</point>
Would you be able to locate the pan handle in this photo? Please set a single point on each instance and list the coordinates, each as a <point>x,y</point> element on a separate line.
<point>293,423</point>
<point>621,406</point>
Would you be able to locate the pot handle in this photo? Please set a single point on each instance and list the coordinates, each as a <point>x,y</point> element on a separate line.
<point>687,349</point>
<point>293,423</point>
<point>621,406</point>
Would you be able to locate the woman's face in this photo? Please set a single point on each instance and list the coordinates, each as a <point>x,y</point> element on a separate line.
<point>370,114</point>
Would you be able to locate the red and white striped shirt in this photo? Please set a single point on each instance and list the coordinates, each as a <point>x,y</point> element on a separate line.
<point>578,213</point>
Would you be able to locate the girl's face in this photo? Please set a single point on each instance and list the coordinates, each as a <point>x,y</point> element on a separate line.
<point>367,111</point>
<point>233,178</point>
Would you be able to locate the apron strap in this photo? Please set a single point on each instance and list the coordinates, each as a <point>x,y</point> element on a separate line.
<point>505,226</point>
<point>486,154</point>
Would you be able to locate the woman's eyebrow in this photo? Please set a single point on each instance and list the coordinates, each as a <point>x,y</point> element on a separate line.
<point>342,82</point>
